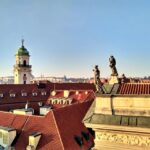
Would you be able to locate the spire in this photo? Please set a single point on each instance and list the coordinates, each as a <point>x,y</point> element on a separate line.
<point>22,41</point>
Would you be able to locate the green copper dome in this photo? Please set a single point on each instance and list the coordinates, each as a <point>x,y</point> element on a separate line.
<point>22,51</point>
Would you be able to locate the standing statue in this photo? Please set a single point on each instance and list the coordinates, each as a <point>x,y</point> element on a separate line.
<point>97,81</point>
<point>112,65</point>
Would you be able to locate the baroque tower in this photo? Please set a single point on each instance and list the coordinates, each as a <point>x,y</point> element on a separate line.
<point>22,69</point>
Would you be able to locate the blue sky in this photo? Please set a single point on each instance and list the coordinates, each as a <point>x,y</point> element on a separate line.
<point>69,37</point>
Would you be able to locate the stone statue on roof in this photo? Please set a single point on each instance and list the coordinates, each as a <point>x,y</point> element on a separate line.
<point>112,64</point>
<point>123,78</point>
<point>97,81</point>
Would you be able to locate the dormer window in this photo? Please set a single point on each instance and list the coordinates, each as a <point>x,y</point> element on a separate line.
<point>86,135</point>
<point>43,93</point>
<point>1,95</point>
<point>12,94</point>
<point>24,94</point>
<point>34,94</point>
<point>79,140</point>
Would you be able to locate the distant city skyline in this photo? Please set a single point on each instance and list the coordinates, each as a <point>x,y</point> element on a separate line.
<point>67,37</point>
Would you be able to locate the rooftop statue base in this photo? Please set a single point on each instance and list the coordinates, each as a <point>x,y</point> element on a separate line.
<point>114,79</point>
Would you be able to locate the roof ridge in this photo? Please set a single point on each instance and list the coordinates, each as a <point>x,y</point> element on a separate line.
<point>138,83</point>
<point>13,119</point>
<point>25,123</point>
<point>58,131</point>
<point>5,112</point>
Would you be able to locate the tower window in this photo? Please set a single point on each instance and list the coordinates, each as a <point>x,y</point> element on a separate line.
<point>24,78</point>
<point>24,63</point>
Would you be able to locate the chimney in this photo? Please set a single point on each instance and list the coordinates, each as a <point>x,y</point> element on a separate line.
<point>66,93</point>
<point>27,106</point>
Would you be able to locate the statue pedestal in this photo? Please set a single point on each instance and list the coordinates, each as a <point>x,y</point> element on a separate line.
<point>113,79</point>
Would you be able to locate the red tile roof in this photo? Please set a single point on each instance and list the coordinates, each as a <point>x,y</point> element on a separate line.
<point>58,128</point>
<point>54,137</point>
<point>134,88</point>
<point>46,125</point>
<point>6,119</point>
<point>69,124</point>
<point>81,96</point>
<point>7,102</point>
<point>72,86</point>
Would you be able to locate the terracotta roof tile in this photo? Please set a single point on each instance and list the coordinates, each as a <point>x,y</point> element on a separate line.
<point>46,125</point>
<point>134,88</point>
<point>58,127</point>
<point>81,96</point>
<point>69,121</point>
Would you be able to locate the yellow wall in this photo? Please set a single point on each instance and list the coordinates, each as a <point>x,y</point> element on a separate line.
<point>133,106</point>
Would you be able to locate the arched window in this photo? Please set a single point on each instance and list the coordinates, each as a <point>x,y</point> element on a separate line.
<point>24,63</point>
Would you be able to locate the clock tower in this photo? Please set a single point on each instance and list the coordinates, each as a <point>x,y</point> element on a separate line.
<point>22,69</point>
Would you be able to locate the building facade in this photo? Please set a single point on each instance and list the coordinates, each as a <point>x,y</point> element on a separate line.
<point>120,117</point>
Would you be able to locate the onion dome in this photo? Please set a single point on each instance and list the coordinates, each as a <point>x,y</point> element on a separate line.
<point>22,51</point>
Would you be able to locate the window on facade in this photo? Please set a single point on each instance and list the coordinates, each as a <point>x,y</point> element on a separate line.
<point>67,102</point>
<point>5,138</point>
<point>24,78</point>
<point>54,101</point>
